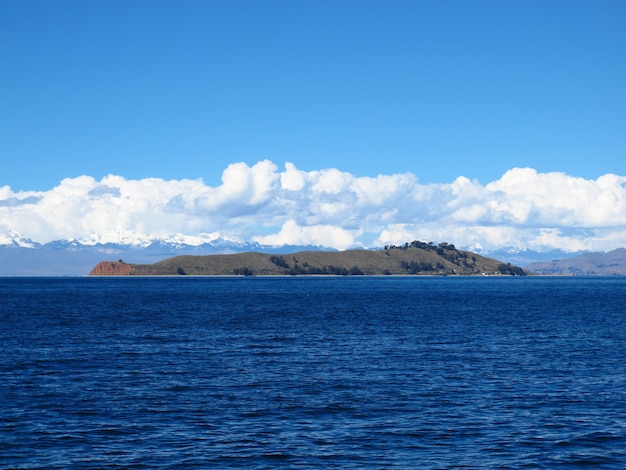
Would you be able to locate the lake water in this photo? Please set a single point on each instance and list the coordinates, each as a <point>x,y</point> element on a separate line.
<point>346,372</point>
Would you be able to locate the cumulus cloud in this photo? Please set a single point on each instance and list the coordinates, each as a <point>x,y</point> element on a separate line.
<point>325,235</point>
<point>329,207</point>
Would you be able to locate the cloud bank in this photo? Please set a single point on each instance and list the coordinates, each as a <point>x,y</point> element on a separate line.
<point>328,207</point>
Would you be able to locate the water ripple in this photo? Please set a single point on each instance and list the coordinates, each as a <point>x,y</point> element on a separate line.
<point>332,373</point>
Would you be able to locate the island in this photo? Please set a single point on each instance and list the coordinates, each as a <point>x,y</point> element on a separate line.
<point>415,258</point>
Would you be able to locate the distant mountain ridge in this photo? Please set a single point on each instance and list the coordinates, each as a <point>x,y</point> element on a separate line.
<point>612,263</point>
<point>523,257</point>
<point>21,256</point>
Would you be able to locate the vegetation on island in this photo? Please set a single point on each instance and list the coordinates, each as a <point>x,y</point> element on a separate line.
<point>415,258</point>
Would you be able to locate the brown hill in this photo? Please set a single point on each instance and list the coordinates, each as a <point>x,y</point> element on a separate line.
<point>417,258</point>
<point>111,268</point>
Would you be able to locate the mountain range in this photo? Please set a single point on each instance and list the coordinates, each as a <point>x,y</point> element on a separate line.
<point>612,263</point>
<point>21,256</point>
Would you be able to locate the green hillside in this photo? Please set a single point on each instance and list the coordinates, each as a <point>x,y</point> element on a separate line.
<point>417,258</point>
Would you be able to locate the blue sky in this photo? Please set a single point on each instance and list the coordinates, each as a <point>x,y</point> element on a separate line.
<point>302,118</point>
<point>182,89</point>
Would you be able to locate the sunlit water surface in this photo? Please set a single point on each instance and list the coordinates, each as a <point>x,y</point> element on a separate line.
<point>313,372</point>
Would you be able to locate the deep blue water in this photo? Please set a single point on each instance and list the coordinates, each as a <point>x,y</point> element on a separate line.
<point>313,372</point>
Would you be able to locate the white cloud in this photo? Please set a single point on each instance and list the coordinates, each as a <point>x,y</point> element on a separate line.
<point>292,179</point>
<point>329,207</point>
<point>293,234</point>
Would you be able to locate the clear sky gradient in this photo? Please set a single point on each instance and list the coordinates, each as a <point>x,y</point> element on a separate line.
<point>182,89</point>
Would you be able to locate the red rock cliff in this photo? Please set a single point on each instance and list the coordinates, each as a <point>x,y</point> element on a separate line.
<point>112,268</point>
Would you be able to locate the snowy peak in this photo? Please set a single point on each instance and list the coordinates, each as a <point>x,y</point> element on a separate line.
<point>140,240</point>
<point>20,256</point>
<point>15,239</point>
<point>521,256</point>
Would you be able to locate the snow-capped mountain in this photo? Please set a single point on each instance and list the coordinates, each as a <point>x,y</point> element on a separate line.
<point>521,256</point>
<point>20,256</point>
<point>12,238</point>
